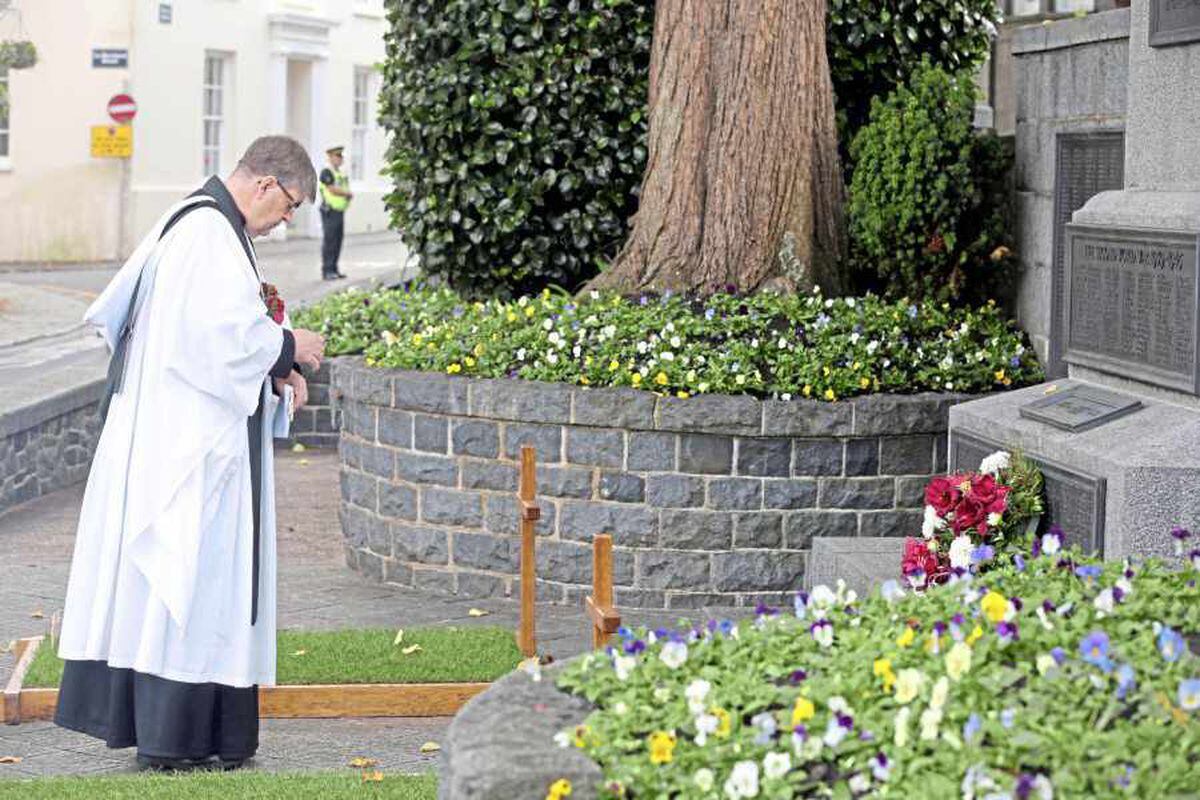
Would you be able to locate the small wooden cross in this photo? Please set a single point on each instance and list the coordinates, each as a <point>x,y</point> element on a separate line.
<point>605,619</point>
<point>529,513</point>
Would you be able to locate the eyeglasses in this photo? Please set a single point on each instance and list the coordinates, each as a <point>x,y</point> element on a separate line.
<point>293,203</point>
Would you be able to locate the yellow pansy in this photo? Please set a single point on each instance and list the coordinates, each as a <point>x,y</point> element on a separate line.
<point>662,747</point>
<point>579,739</point>
<point>829,395</point>
<point>958,660</point>
<point>682,395</point>
<point>529,311</point>
<point>614,365</point>
<point>999,375</point>
<point>512,317</point>
<point>883,670</point>
<point>470,362</point>
<point>995,606</point>
<point>803,710</point>
<point>479,349</point>
<point>724,722</point>
<point>905,639</point>
<point>584,380</point>
<point>636,378</point>
<point>825,370</point>
<point>417,339</point>
<point>661,378</point>
<point>976,635</point>
<point>390,338</point>
<point>559,789</point>
<point>454,368</point>
<point>864,383</point>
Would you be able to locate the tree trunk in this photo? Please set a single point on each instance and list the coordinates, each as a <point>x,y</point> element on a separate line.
<point>742,182</point>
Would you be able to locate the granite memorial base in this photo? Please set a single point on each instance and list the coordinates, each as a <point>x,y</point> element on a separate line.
<point>1116,489</point>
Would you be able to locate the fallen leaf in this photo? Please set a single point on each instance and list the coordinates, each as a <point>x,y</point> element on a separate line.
<point>300,653</point>
<point>10,759</point>
<point>477,612</point>
<point>373,777</point>
<point>8,648</point>
<point>299,447</point>
<point>304,462</point>
<point>430,747</point>
<point>412,648</point>
<point>363,761</point>
<point>39,614</point>
<point>399,637</point>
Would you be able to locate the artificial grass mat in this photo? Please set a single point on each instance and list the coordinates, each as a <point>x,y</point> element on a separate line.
<point>211,784</point>
<point>444,655</point>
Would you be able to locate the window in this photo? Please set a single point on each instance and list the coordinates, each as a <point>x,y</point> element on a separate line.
<point>215,84</point>
<point>361,123</point>
<point>4,99</point>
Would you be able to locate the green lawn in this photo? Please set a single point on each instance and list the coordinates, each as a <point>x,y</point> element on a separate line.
<point>451,654</point>
<point>205,785</point>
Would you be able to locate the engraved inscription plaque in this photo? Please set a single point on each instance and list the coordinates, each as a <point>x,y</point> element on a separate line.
<point>1174,22</point>
<point>1132,303</point>
<point>1079,408</point>
<point>1074,500</point>
<point>1085,165</point>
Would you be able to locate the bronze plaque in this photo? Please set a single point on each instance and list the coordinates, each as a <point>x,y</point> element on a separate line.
<point>1074,499</point>
<point>1131,305</point>
<point>1079,408</point>
<point>1174,22</point>
<point>1085,165</point>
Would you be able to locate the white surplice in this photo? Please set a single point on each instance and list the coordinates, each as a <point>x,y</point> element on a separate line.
<point>161,575</point>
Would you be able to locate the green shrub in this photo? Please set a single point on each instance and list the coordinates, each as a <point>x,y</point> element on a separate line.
<point>1055,676</point>
<point>875,45</point>
<point>517,135</point>
<point>763,345</point>
<point>928,208</point>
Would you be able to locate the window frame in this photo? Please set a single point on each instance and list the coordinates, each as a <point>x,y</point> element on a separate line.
<point>214,114</point>
<point>360,123</point>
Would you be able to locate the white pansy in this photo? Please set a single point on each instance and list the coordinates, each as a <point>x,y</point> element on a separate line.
<point>521,354</point>
<point>706,725</point>
<point>854,337</point>
<point>960,552</point>
<point>696,693</point>
<point>554,337</point>
<point>674,654</point>
<point>994,519</point>
<point>620,708</point>
<point>930,719</point>
<point>834,733</point>
<point>995,462</point>
<point>662,694</point>
<point>552,357</point>
<point>743,781</point>
<point>821,598</point>
<point>703,779</point>
<point>900,725</point>
<point>623,665</point>
<point>676,341</point>
<point>1105,601</point>
<point>562,739</point>
<point>872,346</point>
<point>642,347</point>
<point>860,783</point>
<point>776,765</point>
<point>931,523</point>
<point>547,324</point>
<point>941,690</point>
<point>667,356</point>
<point>891,591</point>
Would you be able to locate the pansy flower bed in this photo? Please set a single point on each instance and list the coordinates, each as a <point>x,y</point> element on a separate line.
<point>1051,676</point>
<point>765,345</point>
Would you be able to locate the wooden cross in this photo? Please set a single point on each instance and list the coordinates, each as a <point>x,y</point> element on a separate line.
<point>605,619</point>
<point>529,513</point>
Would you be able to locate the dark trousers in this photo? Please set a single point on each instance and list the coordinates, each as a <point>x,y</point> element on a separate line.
<point>333,227</point>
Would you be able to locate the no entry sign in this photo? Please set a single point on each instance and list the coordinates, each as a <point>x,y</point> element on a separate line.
<point>122,108</point>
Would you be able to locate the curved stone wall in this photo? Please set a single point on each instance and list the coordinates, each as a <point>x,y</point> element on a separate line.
<point>711,501</point>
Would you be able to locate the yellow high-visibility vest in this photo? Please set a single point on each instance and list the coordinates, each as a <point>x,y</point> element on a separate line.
<point>331,200</point>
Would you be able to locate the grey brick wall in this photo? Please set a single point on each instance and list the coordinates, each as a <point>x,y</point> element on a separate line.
<point>711,501</point>
<point>49,445</point>
<point>317,424</point>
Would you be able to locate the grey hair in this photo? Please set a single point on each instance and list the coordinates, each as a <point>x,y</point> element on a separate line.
<point>283,157</point>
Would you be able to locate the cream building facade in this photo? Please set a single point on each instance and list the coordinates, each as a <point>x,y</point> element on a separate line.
<point>208,77</point>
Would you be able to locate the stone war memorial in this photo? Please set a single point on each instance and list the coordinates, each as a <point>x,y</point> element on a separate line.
<point>1116,436</point>
<point>771,399</point>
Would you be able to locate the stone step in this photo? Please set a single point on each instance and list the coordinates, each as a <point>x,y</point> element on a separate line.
<point>864,562</point>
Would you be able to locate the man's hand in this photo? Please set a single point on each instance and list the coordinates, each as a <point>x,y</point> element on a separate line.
<point>310,348</point>
<point>299,389</point>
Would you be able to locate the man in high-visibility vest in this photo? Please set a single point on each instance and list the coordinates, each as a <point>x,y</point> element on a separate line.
<point>335,197</point>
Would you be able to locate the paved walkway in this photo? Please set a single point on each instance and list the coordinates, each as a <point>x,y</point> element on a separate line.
<point>316,590</point>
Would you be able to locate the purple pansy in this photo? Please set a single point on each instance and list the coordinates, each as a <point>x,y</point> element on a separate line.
<point>1094,647</point>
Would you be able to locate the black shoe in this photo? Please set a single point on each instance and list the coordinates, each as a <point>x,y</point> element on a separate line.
<point>231,763</point>
<point>339,274</point>
<point>329,276</point>
<point>164,764</point>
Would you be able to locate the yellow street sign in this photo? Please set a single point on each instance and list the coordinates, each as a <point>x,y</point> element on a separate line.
<point>112,141</point>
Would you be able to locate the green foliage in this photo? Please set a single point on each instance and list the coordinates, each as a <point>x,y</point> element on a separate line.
<point>875,45</point>
<point>764,345</point>
<point>928,206</point>
<point>517,135</point>
<point>1091,698</point>
<point>17,54</point>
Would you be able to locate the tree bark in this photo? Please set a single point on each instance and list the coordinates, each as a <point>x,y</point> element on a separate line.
<point>742,163</point>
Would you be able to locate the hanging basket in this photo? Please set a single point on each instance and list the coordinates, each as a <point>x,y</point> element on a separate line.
<point>17,54</point>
